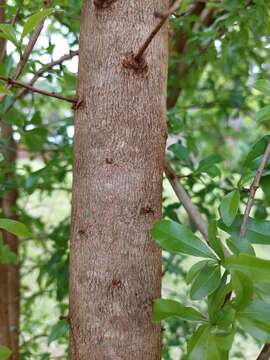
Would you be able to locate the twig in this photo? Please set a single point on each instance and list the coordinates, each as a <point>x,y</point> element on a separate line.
<point>15,17</point>
<point>35,90</point>
<point>164,16</point>
<point>39,73</point>
<point>185,200</point>
<point>191,210</point>
<point>59,61</point>
<point>253,188</point>
<point>28,50</point>
<point>265,353</point>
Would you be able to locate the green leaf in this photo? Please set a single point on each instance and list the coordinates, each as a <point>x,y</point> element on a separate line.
<point>8,32</point>
<point>214,240</point>
<point>263,291</point>
<point>217,298</point>
<point>240,245</point>
<point>265,185</point>
<point>255,268</point>
<point>229,207</point>
<point>13,117</point>
<point>208,162</point>
<point>258,231</point>
<point>224,339</point>
<point>256,151</point>
<point>4,90</point>
<point>263,86</point>
<point>6,255</point>
<point>181,153</point>
<point>255,319</point>
<point>195,270</point>
<point>226,316</point>
<point>206,282</point>
<point>164,309</point>
<point>14,227</point>
<point>35,138</point>
<point>4,352</point>
<point>61,329</point>
<point>263,114</point>
<point>175,237</point>
<point>243,288</point>
<point>34,20</point>
<point>260,213</point>
<point>202,345</point>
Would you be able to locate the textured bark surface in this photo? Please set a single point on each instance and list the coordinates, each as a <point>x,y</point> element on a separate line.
<point>120,135</point>
<point>10,303</point>
<point>9,274</point>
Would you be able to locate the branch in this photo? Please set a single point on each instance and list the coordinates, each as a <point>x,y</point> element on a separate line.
<point>35,90</point>
<point>40,72</point>
<point>15,17</point>
<point>32,42</point>
<point>265,353</point>
<point>47,67</point>
<point>164,16</point>
<point>185,200</point>
<point>253,188</point>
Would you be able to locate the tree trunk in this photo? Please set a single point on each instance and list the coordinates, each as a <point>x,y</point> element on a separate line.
<point>120,136</point>
<point>9,274</point>
<point>10,305</point>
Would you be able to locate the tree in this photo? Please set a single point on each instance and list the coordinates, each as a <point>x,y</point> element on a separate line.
<point>120,135</point>
<point>218,105</point>
<point>9,282</point>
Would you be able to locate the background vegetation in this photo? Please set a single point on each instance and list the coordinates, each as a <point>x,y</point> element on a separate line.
<point>214,117</point>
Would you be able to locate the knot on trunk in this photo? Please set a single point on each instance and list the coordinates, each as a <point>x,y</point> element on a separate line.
<point>103,4</point>
<point>139,66</point>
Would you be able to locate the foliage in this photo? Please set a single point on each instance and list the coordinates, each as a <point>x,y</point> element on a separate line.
<point>223,109</point>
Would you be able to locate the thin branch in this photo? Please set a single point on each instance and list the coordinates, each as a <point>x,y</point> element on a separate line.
<point>191,210</point>
<point>182,195</point>
<point>253,188</point>
<point>39,74</point>
<point>59,61</point>
<point>265,353</point>
<point>15,17</point>
<point>164,16</point>
<point>38,91</point>
<point>32,42</point>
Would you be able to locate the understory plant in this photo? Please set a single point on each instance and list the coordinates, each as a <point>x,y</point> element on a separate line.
<point>232,280</point>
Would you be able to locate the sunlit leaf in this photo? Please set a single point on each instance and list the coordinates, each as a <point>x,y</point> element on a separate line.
<point>61,329</point>
<point>4,352</point>
<point>229,207</point>
<point>255,268</point>
<point>164,308</point>
<point>206,282</point>
<point>263,86</point>
<point>34,20</point>
<point>175,237</point>
<point>14,227</point>
<point>214,240</point>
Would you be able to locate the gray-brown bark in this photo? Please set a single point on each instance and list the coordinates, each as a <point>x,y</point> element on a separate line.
<point>120,135</point>
<point>10,304</point>
<point>9,274</point>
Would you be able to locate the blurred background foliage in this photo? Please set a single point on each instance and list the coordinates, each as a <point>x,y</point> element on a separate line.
<point>216,54</point>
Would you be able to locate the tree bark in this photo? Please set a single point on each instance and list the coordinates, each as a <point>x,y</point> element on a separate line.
<point>10,304</point>
<point>119,145</point>
<point>9,274</point>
